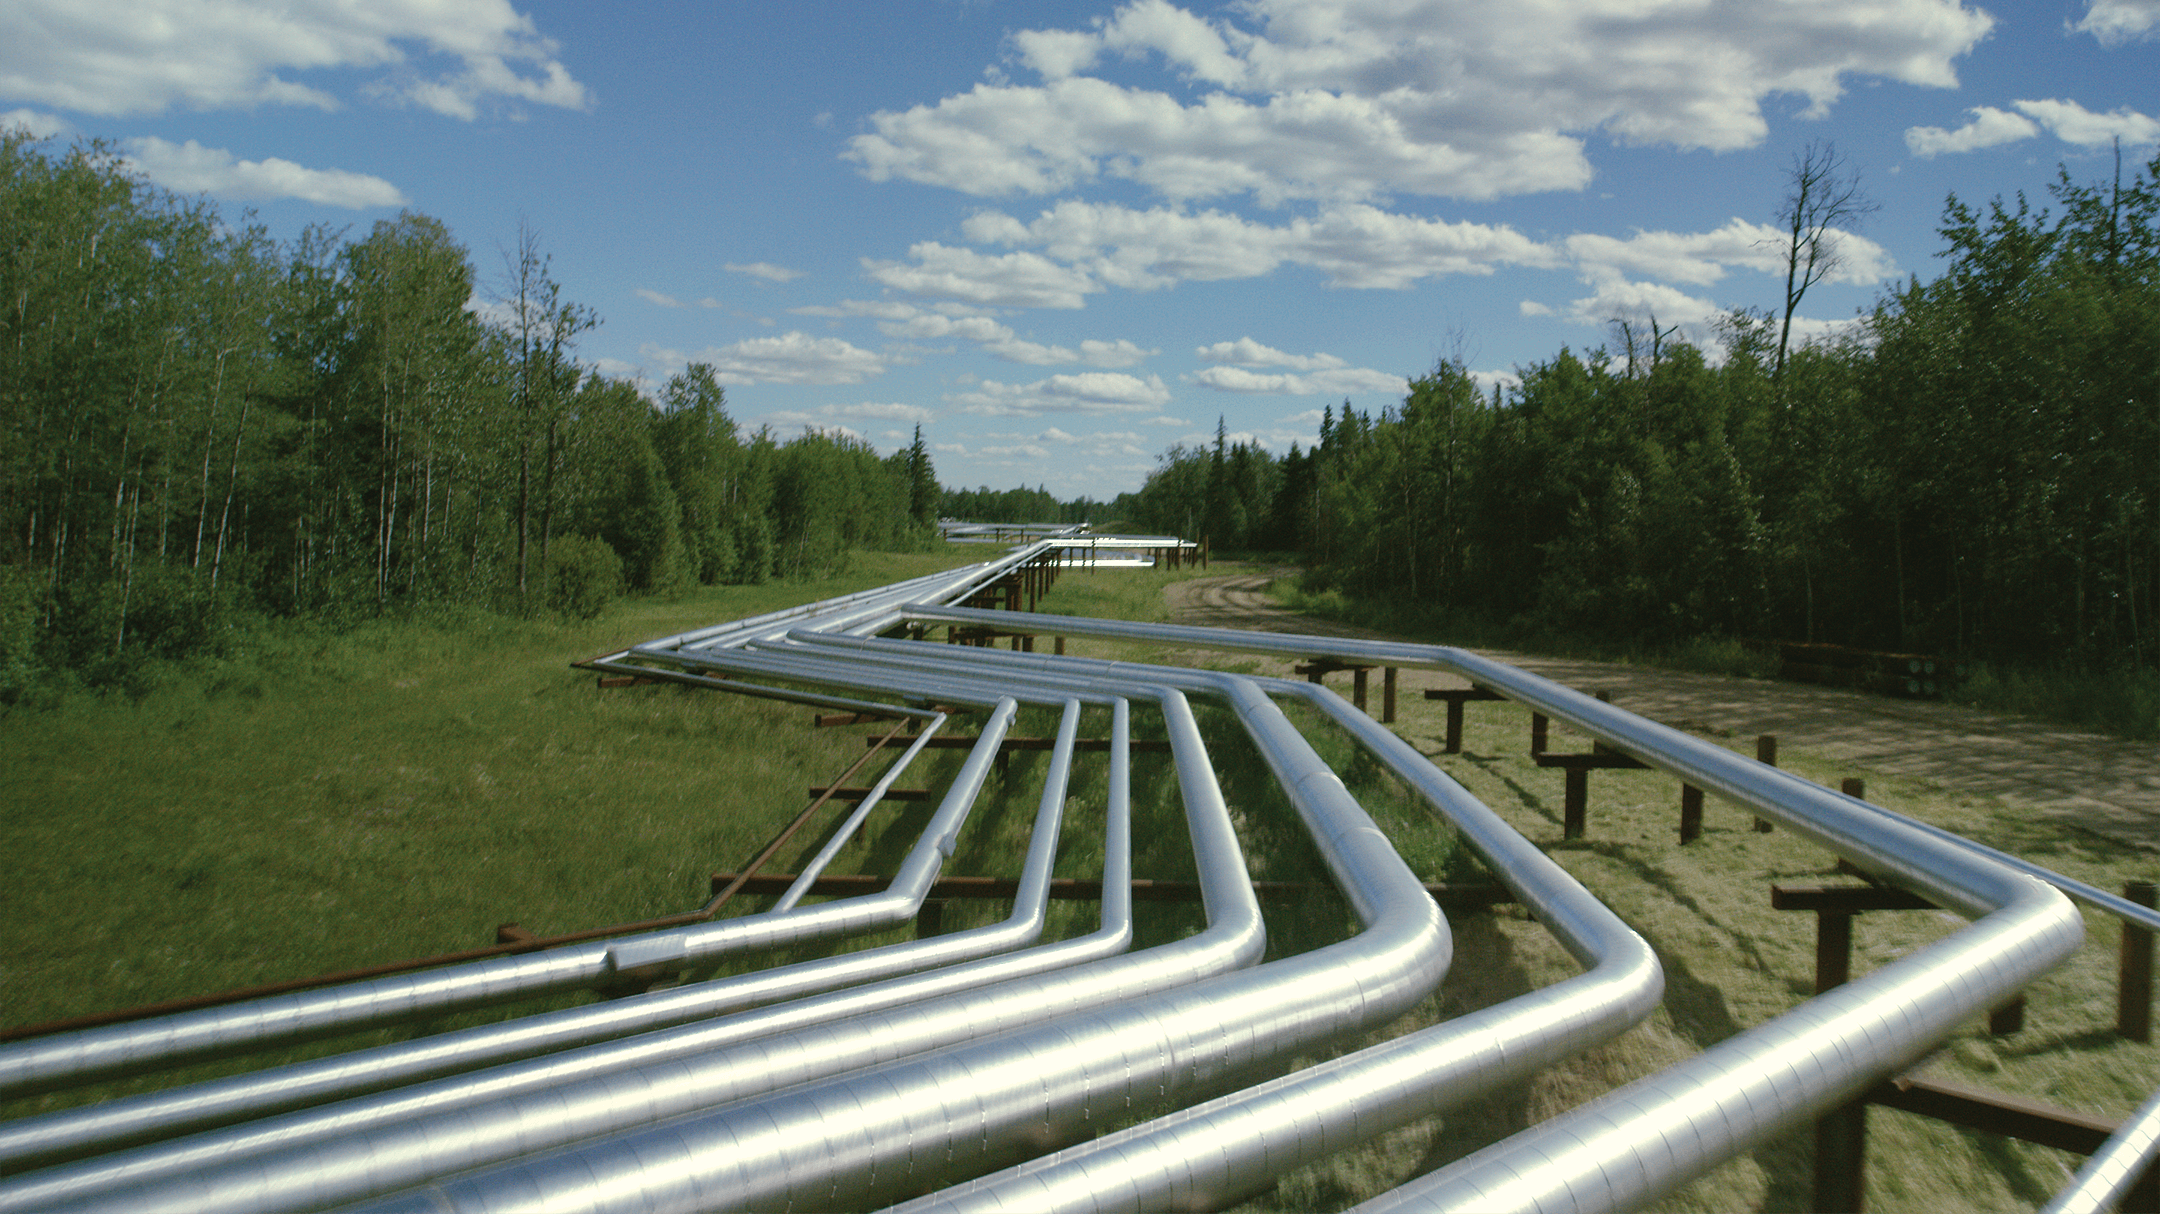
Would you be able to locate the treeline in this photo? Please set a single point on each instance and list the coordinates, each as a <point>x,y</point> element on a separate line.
<point>1977,471</point>
<point>1022,505</point>
<point>201,423</point>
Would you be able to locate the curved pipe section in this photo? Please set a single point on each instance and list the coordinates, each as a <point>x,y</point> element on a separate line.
<point>1656,1134</point>
<point>350,1150</point>
<point>1234,938</point>
<point>51,1138</point>
<point>1215,1154</point>
<point>972,1105</point>
<point>79,1057</point>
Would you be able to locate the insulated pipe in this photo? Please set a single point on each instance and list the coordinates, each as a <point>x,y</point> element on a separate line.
<point>387,1141</point>
<point>1572,707</point>
<point>79,1057</point>
<point>1656,1134</point>
<point>952,583</point>
<point>49,1138</point>
<point>962,1107</point>
<point>1234,938</point>
<point>749,1069</point>
<point>2110,1172</point>
<point>1652,1136</point>
<point>1215,1154</point>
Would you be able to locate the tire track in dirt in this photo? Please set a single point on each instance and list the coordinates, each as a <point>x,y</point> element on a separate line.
<point>2095,783</point>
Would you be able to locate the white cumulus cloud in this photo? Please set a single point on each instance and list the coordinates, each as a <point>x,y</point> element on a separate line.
<point>1989,127</point>
<point>2073,123</point>
<point>2115,22</point>
<point>1089,392</point>
<point>1346,100</point>
<point>190,168</point>
<point>1702,258</point>
<point>2064,119</point>
<point>40,125</point>
<point>792,358</point>
<point>765,270</point>
<point>1354,245</point>
<point>1012,280</point>
<point>1338,382</point>
<point>1245,352</point>
<point>146,56</point>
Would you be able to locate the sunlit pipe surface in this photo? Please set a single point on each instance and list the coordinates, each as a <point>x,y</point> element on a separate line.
<point>918,1119</point>
<point>81,1056</point>
<point>1654,1135</point>
<point>87,1055</point>
<point>352,1149</point>
<point>1559,702</point>
<point>1215,1154</point>
<point>2113,1170</point>
<point>72,1133</point>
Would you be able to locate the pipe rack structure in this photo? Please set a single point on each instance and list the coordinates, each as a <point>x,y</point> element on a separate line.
<point>950,1070</point>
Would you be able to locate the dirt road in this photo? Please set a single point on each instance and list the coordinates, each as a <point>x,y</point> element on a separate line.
<point>2095,783</point>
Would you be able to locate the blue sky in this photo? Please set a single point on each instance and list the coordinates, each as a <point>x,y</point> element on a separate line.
<point>1064,236</point>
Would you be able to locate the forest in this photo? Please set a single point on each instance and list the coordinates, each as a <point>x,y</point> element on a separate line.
<point>205,426</point>
<point>1972,470</point>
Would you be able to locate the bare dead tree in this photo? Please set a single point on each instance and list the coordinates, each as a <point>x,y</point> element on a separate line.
<point>1822,195</point>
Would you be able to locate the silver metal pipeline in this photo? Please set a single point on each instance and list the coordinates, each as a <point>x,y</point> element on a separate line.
<point>1234,938</point>
<point>350,1150</point>
<point>971,1105</point>
<point>2113,1170</point>
<point>1563,704</point>
<point>50,1138</point>
<point>1654,1135</point>
<point>77,1057</point>
<point>1215,1154</point>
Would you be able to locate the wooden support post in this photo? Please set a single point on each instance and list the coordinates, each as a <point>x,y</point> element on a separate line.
<point>2134,968</point>
<point>1456,697</point>
<point>1387,695</point>
<point>1061,646</point>
<point>1575,803</point>
<point>1833,950</point>
<point>930,919</point>
<point>2007,1019</point>
<point>1539,729</point>
<point>1765,752</point>
<point>1312,674</point>
<point>1854,787</point>
<point>1841,1159</point>
<point>1690,813</point>
<point>1357,688</point>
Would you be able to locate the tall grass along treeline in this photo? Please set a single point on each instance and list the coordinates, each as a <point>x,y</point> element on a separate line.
<point>1973,470</point>
<point>200,425</point>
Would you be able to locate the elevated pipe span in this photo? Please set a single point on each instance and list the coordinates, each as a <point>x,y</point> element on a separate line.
<point>972,1104</point>
<point>1215,1154</point>
<point>350,1150</point>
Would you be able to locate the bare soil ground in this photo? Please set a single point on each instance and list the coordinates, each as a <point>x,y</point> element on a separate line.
<point>2100,784</point>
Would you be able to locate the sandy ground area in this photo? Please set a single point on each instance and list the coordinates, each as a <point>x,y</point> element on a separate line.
<point>2104,785</point>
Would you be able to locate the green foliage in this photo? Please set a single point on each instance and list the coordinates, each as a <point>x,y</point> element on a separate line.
<point>583,576</point>
<point>198,424</point>
<point>20,598</point>
<point>1975,472</point>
